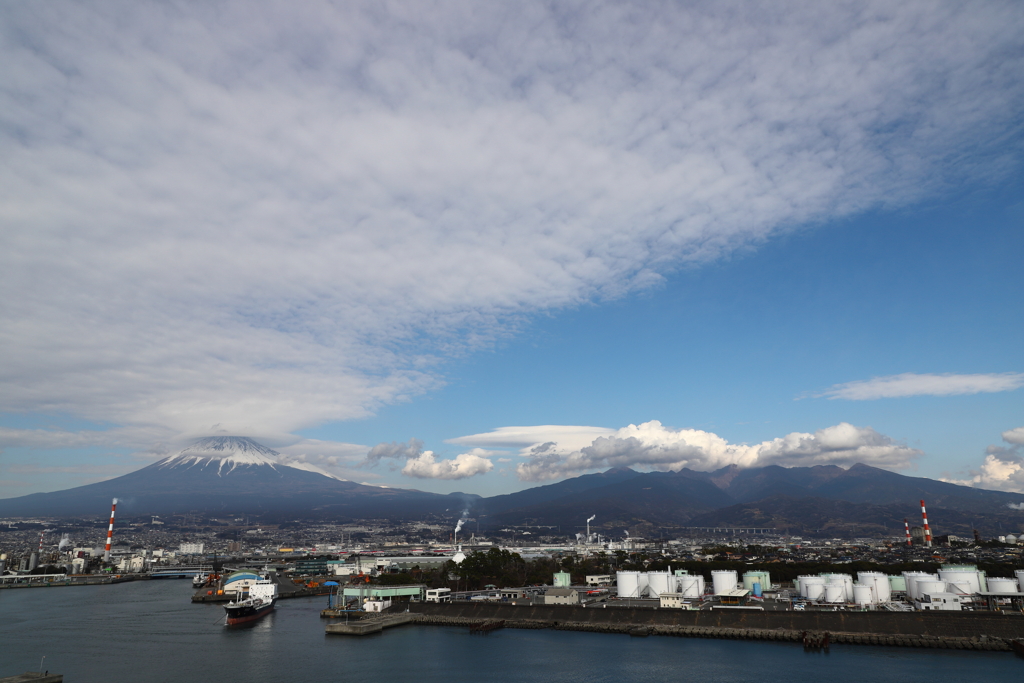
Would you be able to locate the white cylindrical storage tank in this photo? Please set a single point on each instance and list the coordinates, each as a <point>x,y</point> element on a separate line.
<point>644,585</point>
<point>847,582</point>
<point>658,583</point>
<point>1020,577</point>
<point>863,595</point>
<point>999,584</point>
<point>879,583</point>
<point>912,578</point>
<point>835,592</point>
<point>689,587</point>
<point>964,580</point>
<point>897,584</point>
<point>723,580</point>
<point>815,591</point>
<point>923,588</point>
<point>628,584</point>
<point>702,582</point>
<point>807,581</point>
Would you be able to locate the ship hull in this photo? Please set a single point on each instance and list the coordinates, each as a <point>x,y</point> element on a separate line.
<point>247,613</point>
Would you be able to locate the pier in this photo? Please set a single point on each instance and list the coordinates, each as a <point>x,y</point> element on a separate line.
<point>368,625</point>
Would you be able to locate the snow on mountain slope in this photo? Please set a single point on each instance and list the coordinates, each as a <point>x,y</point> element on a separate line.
<point>230,452</point>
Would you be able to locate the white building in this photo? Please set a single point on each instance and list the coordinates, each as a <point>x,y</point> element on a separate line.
<point>191,549</point>
<point>599,580</point>
<point>674,601</point>
<point>438,595</point>
<point>562,596</point>
<point>939,601</point>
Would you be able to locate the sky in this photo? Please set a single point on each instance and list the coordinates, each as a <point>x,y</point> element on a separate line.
<point>481,247</point>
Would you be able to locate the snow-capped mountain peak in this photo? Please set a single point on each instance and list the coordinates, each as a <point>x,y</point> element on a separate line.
<point>227,453</point>
<point>224,451</point>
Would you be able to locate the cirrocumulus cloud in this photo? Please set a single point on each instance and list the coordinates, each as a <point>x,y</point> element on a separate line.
<point>276,219</point>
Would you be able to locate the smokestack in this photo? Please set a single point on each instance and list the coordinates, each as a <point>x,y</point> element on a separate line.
<point>927,531</point>
<point>110,531</point>
<point>41,543</point>
<point>906,525</point>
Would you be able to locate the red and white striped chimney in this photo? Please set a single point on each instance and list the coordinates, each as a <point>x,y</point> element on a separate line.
<point>906,525</point>
<point>110,531</point>
<point>927,531</point>
<point>41,546</point>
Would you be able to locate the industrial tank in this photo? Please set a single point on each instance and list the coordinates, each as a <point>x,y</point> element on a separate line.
<point>835,592</point>
<point>999,584</point>
<point>963,579</point>
<point>912,578</point>
<point>723,580</point>
<point>863,595</point>
<point>923,588</point>
<point>897,584</point>
<point>645,584</point>
<point>562,580</point>
<point>628,583</point>
<point>815,591</point>
<point>805,586</point>
<point>702,583</point>
<point>845,580</point>
<point>660,582</point>
<point>689,586</point>
<point>1020,577</point>
<point>761,577</point>
<point>879,583</point>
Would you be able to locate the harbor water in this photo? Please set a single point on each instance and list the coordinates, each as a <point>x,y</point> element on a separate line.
<point>148,631</point>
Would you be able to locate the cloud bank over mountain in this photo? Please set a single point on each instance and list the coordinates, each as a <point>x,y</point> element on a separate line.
<point>1003,466</point>
<point>653,446</point>
<point>247,222</point>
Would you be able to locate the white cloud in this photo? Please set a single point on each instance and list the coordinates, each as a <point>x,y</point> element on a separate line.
<point>537,439</point>
<point>910,384</point>
<point>1014,436</point>
<point>654,446</point>
<point>269,220</point>
<point>427,466</point>
<point>1002,469</point>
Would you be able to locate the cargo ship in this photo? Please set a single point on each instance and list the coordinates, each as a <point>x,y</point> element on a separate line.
<point>257,604</point>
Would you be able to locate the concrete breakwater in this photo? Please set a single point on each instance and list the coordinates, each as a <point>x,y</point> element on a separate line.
<point>962,632</point>
<point>780,635</point>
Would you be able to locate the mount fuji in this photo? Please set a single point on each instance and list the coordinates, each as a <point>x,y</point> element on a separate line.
<point>231,474</point>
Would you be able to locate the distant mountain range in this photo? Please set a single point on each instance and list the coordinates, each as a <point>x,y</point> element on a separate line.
<point>233,475</point>
<point>824,498</point>
<point>237,475</point>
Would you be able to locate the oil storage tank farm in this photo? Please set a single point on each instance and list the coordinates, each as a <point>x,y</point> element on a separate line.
<point>912,578</point>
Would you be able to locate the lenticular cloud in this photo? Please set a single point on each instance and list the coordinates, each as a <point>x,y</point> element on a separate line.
<point>274,219</point>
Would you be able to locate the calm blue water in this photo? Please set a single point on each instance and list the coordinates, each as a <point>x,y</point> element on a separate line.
<point>149,631</point>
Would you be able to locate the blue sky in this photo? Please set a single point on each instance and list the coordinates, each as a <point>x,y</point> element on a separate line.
<point>476,249</point>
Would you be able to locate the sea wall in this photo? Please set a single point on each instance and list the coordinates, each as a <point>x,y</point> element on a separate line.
<point>925,629</point>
